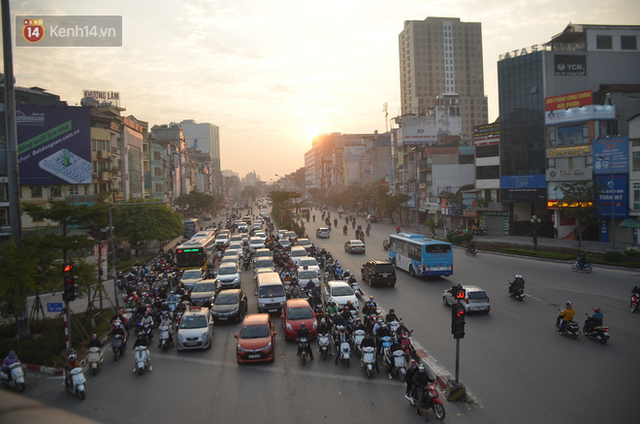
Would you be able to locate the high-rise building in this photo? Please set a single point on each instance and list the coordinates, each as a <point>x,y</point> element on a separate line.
<point>205,137</point>
<point>443,55</point>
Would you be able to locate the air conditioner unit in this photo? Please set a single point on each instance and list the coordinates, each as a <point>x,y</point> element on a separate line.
<point>95,176</point>
<point>106,176</point>
<point>105,154</point>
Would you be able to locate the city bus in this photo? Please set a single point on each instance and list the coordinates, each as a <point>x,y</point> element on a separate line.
<point>191,226</point>
<point>195,253</point>
<point>420,256</point>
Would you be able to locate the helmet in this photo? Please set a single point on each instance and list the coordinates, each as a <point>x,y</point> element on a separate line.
<point>94,336</point>
<point>116,324</point>
<point>302,325</point>
<point>422,368</point>
<point>72,357</point>
<point>391,311</point>
<point>371,297</point>
<point>401,324</point>
<point>596,310</point>
<point>323,321</point>
<point>140,334</point>
<point>342,328</point>
<point>12,354</point>
<point>379,320</point>
<point>569,303</point>
<point>347,272</point>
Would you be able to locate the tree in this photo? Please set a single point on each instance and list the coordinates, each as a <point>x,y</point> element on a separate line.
<point>578,202</point>
<point>318,195</point>
<point>198,201</point>
<point>393,202</point>
<point>18,277</point>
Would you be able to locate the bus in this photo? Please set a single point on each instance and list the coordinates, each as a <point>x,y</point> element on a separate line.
<point>195,253</point>
<point>420,256</point>
<point>191,226</point>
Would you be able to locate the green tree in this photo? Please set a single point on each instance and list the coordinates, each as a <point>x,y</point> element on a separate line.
<point>18,277</point>
<point>393,202</point>
<point>578,202</point>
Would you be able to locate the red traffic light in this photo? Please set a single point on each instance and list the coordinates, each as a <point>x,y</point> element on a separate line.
<point>460,312</point>
<point>460,295</point>
<point>68,268</point>
<point>458,292</point>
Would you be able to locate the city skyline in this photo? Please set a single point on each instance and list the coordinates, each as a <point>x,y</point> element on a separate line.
<point>270,79</point>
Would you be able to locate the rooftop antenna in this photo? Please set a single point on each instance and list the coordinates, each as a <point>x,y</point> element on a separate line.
<point>385,109</point>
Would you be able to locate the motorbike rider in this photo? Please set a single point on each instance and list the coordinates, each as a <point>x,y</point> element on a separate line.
<point>146,319</point>
<point>345,229</point>
<point>166,321</point>
<point>118,330</point>
<point>412,370</point>
<point>377,326</point>
<point>369,307</point>
<point>565,315</point>
<point>341,336</point>
<point>332,308</point>
<point>369,342</point>
<point>420,380</point>
<point>324,328</point>
<point>383,331</point>
<point>582,260</point>
<point>472,247</point>
<point>11,359</point>
<point>346,314</point>
<point>595,319</point>
<point>142,340</point>
<point>391,316</point>
<point>95,342</point>
<point>311,288</point>
<point>303,331</point>
<point>401,329</point>
<point>72,362</point>
<point>516,285</point>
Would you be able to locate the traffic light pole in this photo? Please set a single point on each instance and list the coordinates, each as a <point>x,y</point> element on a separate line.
<point>455,390</point>
<point>457,361</point>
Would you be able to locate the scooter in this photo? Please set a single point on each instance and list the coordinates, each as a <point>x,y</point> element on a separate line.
<point>358,337</point>
<point>354,285</point>
<point>598,333</point>
<point>345,353</point>
<point>430,399</point>
<point>393,326</point>
<point>368,359</point>
<point>303,347</point>
<point>345,230</point>
<point>323,345</point>
<point>15,376</point>
<point>570,328</point>
<point>585,268</point>
<point>76,383</point>
<point>118,346</point>
<point>165,337</point>
<point>516,294</point>
<point>399,363</point>
<point>633,303</point>
<point>141,360</point>
<point>95,359</point>
<point>472,252</point>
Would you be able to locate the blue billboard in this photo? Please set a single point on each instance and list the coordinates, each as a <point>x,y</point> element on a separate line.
<point>523,181</point>
<point>619,195</point>
<point>611,153</point>
<point>54,144</point>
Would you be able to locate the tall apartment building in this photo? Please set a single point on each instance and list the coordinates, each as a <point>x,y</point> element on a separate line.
<point>443,55</point>
<point>206,138</point>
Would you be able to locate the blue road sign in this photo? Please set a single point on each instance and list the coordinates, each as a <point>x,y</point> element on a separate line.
<point>54,307</point>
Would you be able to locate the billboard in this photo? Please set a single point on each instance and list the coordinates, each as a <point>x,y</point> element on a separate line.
<point>566,101</point>
<point>578,114</point>
<point>618,194</point>
<point>570,65</point>
<point>614,153</point>
<point>54,144</point>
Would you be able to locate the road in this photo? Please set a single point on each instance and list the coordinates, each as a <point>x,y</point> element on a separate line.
<point>512,361</point>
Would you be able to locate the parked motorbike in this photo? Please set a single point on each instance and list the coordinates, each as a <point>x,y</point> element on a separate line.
<point>95,359</point>
<point>324,344</point>
<point>76,382</point>
<point>598,333</point>
<point>430,399</point>
<point>368,359</point>
<point>165,337</point>
<point>303,346</point>
<point>585,268</point>
<point>570,328</point>
<point>141,360</point>
<point>14,377</point>
<point>633,303</point>
<point>118,346</point>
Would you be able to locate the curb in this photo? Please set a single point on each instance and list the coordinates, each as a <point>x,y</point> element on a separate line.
<point>59,371</point>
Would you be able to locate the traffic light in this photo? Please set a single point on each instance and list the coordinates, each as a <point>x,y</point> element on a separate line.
<point>69,293</point>
<point>457,321</point>
<point>458,292</point>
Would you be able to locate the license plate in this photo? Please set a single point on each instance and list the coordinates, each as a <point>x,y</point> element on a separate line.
<point>273,310</point>
<point>222,318</point>
<point>253,356</point>
<point>191,344</point>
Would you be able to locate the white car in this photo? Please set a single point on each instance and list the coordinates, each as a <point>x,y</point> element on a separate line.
<point>195,330</point>
<point>242,227</point>
<point>255,243</point>
<point>307,262</point>
<point>304,275</point>
<point>229,276</point>
<point>475,300</point>
<point>222,240</point>
<point>284,242</point>
<point>262,235</point>
<point>339,292</point>
<point>190,277</point>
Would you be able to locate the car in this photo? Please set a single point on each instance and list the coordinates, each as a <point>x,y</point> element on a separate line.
<point>190,277</point>
<point>222,240</point>
<point>242,227</point>
<point>261,234</point>
<point>340,209</point>
<point>339,292</point>
<point>229,305</point>
<point>307,262</point>
<point>229,260</point>
<point>229,276</point>
<point>378,271</point>
<point>323,232</point>
<point>295,312</point>
<point>263,253</point>
<point>207,217</point>
<point>263,263</point>
<point>236,239</point>
<point>285,243</point>
<point>475,300</point>
<point>291,235</point>
<point>256,339</point>
<point>257,226</point>
<point>204,292</point>
<point>355,246</point>
<point>304,275</point>
<point>281,233</point>
<point>247,219</point>
<point>304,242</point>
<point>195,330</point>
<point>235,246</point>
<point>255,243</point>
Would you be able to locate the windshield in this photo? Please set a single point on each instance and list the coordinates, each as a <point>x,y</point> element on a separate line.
<point>308,262</point>
<point>254,331</point>
<point>264,263</point>
<point>356,243</point>
<point>300,313</point>
<point>342,291</point>
<point>203,287</point>
<point>193,321</point>
<point>275,290</point>
<point>191,275</point>
<point>226,299</point>
<point>227,270</point>
<point>307,275</point>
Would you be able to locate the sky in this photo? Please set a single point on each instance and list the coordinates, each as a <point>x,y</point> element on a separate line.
<point>273,74</point>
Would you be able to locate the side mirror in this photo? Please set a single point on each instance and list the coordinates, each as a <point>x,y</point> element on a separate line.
<point>235,335</point>
<point>275,333</point>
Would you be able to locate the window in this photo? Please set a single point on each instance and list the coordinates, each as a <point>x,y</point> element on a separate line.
<point>487,172</point>
<point>636,196</point>
<point>36,191</point>
<point>415,252</point>
<point>604,42</point>
<point>55,191</point>
<point>4,192</point>
<point>74,189</point>
<point>628,42</point>
<point>636,161</point>
<point>4,217</point>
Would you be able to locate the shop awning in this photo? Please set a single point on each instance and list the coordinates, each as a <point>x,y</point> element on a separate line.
<point>630,223</point>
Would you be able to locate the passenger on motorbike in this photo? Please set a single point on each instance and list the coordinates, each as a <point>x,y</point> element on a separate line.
<point>369,342</point>
<point>303,331</point>
<point>377,326</point>
<point>595,319</point>
<point>411,372</point>
<point>142,340</point>
<point>420,380</point>
<point>391,316</point>
<point>516,284</point>
<point>565,315</point>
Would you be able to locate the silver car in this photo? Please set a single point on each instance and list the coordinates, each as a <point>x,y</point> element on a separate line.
<point>195,330</point>
<point>229,276</point>
<point>475,300</point>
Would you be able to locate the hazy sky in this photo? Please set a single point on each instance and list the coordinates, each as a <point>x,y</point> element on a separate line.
<point>272,74</point>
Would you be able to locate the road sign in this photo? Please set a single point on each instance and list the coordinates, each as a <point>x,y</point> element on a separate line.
<point>54,307</point>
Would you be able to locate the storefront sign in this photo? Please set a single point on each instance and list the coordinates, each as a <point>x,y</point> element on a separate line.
<point>611,155</point>
<point>577,114</point>
<point>580,174</point>
<point>569,151</point>
<point>565,101</point>
<point>570,65</point>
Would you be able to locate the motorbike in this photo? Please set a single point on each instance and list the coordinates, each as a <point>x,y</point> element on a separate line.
<point>354,285</point>
<point>165,337</point>
<point>345,353</point>
<point>147,330</point>
<point>516,294</point>
<point>303,346</point>
<point>385,245</point>
<point>345,230</point>
<point>571,329</point>
<point>76,383</point>
<point>405,343</point>
<point>118,346</point>
<point>323,344</point>
<point>368,359</point>
<point>95,359</point>
<point>472,252</point>
<point>393,326</point>
<point>246,263</point>
<point>358,337</point>
<point>141,360</point>
<point>14,377</point>
<point>318,310</point>
<point>399,363</point>
<point>633,303</point>
<point>368,232</point>
<point>598,333</point>
<point>430,399</point>
<point>585,268</point>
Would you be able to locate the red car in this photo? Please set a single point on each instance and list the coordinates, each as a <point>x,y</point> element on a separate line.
<point>256,339</point>
<point>294,313</point>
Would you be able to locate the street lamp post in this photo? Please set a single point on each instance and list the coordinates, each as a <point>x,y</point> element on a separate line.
<point>612,188</point>
<point>535,222</point>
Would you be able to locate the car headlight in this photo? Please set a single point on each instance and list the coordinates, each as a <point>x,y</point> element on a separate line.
<point>289,327</point>
<point>204,336</point>
<point>241,349</point>
<point>180,337</point>
<point>268,346</point>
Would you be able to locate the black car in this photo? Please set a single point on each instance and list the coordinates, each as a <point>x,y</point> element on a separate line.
<point>229,305</point>
<point>379,271</point>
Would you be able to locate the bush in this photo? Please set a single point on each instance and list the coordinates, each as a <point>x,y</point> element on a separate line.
<point>450,237</point>
<point>458,238</point>
<point>468,237</point>
<point>632,252</point>
<point>613,257</point>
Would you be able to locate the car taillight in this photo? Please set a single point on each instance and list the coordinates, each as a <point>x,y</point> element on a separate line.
<point>467,300</point>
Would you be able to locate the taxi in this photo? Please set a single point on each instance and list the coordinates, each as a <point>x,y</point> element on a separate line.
<point>195,330</point>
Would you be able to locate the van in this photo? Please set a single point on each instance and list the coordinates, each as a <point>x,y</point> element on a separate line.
<point>271,295</point>
<point>298,252</point>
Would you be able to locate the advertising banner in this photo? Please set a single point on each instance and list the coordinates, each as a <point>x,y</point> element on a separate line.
<point>566,101</point>
<point>54,144</point>
<point>611,153</point>
<point>577,114</point>
<point>523,182</point>
<point>570,65</point>
<point>427,135</point>
<point>619,195</point>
